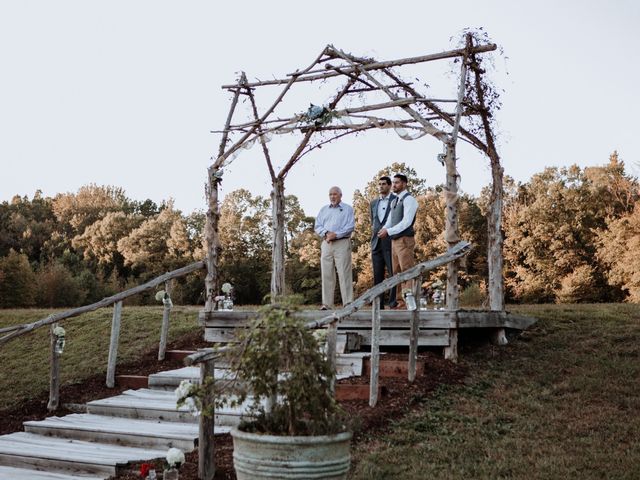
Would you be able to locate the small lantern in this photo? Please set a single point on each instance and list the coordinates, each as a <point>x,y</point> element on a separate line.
<point>409,299</point>
<point>60,340</point>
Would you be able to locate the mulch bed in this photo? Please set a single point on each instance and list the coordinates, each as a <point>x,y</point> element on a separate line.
<point>399,398</point>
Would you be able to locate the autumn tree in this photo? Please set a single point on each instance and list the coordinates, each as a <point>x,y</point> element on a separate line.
<point>159,244</point>
<point>17,281</point>
<point>99,241</point>
<point>76,211</point>
<point>28,226</point>
<point>244,231</point>
<point>552,227</point>
<point>619,247</point>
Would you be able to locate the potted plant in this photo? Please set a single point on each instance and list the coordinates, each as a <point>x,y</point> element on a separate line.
<point>303,432</point>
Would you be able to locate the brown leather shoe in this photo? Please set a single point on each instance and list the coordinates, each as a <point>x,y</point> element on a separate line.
<point>400,306</point>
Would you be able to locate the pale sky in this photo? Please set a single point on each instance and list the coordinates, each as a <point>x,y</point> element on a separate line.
<point>126,93</point>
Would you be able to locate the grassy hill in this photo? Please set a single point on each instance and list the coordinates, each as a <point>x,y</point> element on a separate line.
<point>562,401</point>
<point>24,362</point>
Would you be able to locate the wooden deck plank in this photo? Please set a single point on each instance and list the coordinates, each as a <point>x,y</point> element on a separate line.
<point>387,337</point>
<point>120,431</point>
<point>359,319</point>
<point>22,449</point>
<point>389,319</point>
<point>159,404</point>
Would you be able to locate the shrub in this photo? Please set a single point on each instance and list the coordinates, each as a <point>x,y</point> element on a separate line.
<point>17,281</point>
<point>57,287</point>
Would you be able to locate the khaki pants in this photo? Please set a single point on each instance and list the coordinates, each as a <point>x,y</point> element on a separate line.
<point>336,255</point>
<point>402,258</point>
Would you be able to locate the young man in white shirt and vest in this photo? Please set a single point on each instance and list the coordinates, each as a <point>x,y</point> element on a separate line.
<point>399,227</point>
<point>335,223</point>
<point>381,247</point>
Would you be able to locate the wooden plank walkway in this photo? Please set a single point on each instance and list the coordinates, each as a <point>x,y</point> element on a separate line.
<point>137,425</point>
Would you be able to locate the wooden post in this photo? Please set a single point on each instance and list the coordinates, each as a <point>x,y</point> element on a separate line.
<point>278,253</point>
<point>452,237</point>
<point>206,450</point>
<point>375,352</point>
<point>494,257</point>
<point>494,248</point>
<point>332,340</point>
<point>211,238</point>
<point>113,345</point>
<point>212,241</point>
<point>54,379</point>
<point>413,334</point>
<point>164,330</point>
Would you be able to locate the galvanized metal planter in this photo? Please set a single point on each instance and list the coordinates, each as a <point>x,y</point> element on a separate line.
<point>257,456</point>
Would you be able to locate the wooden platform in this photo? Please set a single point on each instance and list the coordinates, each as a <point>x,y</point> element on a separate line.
<point>435,325</point>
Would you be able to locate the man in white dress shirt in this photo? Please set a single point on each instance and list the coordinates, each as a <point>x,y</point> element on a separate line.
<point>335,223</point>
<point>399,226</point>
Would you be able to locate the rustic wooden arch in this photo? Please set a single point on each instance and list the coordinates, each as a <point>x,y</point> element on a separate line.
<point>426,115</point>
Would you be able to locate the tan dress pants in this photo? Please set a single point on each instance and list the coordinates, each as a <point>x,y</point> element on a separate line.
<point>334,256</point>
<point>403,258</point>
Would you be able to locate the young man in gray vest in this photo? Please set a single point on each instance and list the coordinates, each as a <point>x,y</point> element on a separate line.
<point>381,247</point>
<point>399,227</point>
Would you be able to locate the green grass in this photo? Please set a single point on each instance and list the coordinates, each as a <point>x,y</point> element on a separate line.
<point>24,362</point>
<point>561,401</point>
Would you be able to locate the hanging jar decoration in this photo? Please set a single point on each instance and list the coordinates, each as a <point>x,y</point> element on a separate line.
<point>59,333</point>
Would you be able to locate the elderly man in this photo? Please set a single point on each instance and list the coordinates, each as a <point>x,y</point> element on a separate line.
<point>399,226</point>
<point>335,223</point>
<point>381,247</point>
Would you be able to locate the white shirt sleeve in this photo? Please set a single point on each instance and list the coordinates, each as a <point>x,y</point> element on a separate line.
<point>410,210</point>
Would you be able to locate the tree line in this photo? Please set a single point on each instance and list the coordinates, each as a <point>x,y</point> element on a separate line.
<point>571,235</point>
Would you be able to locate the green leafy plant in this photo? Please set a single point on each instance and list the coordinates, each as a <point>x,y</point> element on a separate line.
<point>278,358</point>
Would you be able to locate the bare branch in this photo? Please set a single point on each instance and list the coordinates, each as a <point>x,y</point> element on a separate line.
<point>368,66</point>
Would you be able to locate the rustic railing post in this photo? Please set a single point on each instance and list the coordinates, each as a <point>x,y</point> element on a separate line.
<point>332,341</point>
<point>375,352</point>
<point>414,330</point>
<point>54,379</point>
<point>113,345</point>
<point>206,450</point>
<point>166,312</point>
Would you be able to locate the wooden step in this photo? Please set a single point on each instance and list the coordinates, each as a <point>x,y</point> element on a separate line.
<point>12,473</point>
<point>158,405</point>
<point>388,337</point>
<point>177,354</point>
<point>120,431</point>
<point>345,391</point>
<point>347,365</point>
<point>132,381</point>
<point>28,450</point>
<point>393,368</point>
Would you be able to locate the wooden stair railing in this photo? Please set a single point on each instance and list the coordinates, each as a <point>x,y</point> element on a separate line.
<point>16,331</point>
